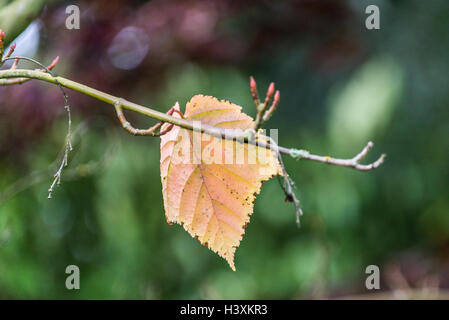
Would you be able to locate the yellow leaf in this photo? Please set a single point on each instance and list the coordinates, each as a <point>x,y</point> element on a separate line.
<point>209,184</point>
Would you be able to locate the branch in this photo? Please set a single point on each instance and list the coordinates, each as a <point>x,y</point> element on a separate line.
<point>144,132</point>
<point>9,82</point>
<point>68,142</point>
<point>186,123</point>
<point>351,163</point>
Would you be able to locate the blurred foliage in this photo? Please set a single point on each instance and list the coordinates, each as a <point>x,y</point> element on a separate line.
<point>15,15</point>
<point>341,85</point>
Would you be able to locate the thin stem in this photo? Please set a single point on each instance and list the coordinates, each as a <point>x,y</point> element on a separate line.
<point>350,163</point>
<point>9,82</point>
<point>68,142</point>
<point>142,132</point>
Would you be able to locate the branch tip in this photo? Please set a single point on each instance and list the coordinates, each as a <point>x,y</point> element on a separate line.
<point>253,90</point>
<point>252,82</point>
<point>270,90</point>
<point>11,50</point>
<point>350,163</point>
<point>270,111</point>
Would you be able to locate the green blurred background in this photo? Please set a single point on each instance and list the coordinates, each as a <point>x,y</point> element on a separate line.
<point>341,86</point>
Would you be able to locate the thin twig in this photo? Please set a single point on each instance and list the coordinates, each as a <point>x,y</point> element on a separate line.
<point>9,82</point>
<point>287,185</point>
<point>10,51</point>
<point>68,142</point>
<point>350,163</point>
<point>13,67</point>
<point>145,132</point>
<point>273,107</point>
<point>76,170</point>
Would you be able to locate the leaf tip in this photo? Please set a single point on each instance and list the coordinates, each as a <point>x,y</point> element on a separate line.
<point>231,263</point>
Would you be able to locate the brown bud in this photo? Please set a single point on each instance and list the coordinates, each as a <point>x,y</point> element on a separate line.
<point>54,63</point>
<point>252,83</point>
<point>277,96</point>
<point>253,90</point>
<point>270,90</point>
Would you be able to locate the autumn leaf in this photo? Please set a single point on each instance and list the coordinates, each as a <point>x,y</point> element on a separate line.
<point>209,184</point>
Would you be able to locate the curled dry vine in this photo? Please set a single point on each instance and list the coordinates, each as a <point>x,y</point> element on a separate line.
<point>68,139</point>
<point>78,169</point>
